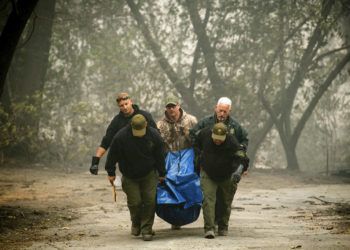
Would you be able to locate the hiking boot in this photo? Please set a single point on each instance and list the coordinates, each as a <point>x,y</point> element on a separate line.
<point>209,234</point>
<point>175,227</point>
<point>222,232</point>
<point>135,230</point>
<point>147,237</point>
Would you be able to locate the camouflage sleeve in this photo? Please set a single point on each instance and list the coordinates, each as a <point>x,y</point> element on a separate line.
<point>164,133</point>
<point>162,129</point>
<point>193,121</point>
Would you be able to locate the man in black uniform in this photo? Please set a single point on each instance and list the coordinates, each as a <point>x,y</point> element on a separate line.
<point>219,151</point>
<point>139,150</point>
<point>223,110</point>
<point>127,111</point>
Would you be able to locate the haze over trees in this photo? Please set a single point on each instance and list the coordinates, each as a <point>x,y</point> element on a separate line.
<point>285,64</point>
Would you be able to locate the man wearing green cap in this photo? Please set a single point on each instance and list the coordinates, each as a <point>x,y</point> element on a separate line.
<point>174,128</point>
<point>219,150</point>
<point>139,150</point>
<point>222,113</point>
<point>175,125</point>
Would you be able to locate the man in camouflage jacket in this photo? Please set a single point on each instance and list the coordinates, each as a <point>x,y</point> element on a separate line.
<point>174,127</point>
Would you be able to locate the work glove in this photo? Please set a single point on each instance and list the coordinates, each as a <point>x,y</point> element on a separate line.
<point>236,176</point>
<point>94,165</point>
<point>245,163</point>
<point>243,158</point>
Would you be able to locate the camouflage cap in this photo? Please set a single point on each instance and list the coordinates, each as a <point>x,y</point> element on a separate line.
<point>171,100</point>
<point>138,125</point>
<point>219,131</point>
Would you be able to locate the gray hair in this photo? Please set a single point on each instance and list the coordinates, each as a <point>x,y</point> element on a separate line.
<point>225,100</point>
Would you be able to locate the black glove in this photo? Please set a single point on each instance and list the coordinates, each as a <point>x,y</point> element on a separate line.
<point>243,158</point>
<point>244,148</point>
<point>236,176</point>
<point>94,165</point>
<point>245,163</point>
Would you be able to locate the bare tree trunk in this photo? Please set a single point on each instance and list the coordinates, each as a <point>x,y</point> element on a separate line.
<point>207,49</point>
<point>292,159</point>
<point>26,75</point>
<point>10,35</point>
<point>179,84</point>
<point>29,66</point>
<point>256,140</point>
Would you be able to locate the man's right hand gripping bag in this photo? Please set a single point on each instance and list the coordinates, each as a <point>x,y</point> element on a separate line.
<point>179,197</point>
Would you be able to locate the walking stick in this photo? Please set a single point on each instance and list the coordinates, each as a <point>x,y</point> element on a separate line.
<point>114,191</point>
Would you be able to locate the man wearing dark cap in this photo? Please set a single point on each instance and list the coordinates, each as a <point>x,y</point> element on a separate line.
<point>127,111</point>
<point>219,150</point>
<point>139,150</point>
<point>222,113</point>
<point>174,128</point>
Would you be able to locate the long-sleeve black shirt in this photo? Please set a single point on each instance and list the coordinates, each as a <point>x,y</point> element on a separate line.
<point>217,160</point>
<point>137,156</point>
<point>120,121</point>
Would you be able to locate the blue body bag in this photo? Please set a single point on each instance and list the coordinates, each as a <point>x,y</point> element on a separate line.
<point>179,198</point>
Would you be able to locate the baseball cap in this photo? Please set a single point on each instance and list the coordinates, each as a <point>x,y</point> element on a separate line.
<point>172,100</point>
<point>138,125</point>
<point>219,131</point>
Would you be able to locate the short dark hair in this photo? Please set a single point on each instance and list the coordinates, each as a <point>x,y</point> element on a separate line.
<point>122,97</point>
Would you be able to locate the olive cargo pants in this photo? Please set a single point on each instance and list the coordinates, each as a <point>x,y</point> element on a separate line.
<point>227,189</point>
<point>141,200</point>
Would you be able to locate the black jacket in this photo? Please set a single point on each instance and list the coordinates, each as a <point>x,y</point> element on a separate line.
<point>137,156</point>
<point>120,121</point>
<point>232,124</point>
<point>218,161</point>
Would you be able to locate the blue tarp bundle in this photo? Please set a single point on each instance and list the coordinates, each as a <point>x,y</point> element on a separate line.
<point>179,198</point>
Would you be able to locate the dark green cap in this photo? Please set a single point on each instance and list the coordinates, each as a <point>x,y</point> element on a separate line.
<point>138,125</point>
<point>219,131</point>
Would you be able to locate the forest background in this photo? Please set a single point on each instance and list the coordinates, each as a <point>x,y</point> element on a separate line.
<point>285,65</point>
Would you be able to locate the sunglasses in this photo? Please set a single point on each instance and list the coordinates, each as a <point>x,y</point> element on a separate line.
<point>170,106</point>
<point>122,98</point>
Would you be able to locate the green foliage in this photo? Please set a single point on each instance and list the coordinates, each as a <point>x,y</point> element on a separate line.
<point>18,132</point>
<point>70,134</point>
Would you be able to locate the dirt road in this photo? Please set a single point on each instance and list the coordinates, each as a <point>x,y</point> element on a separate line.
<point>44,209</point>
